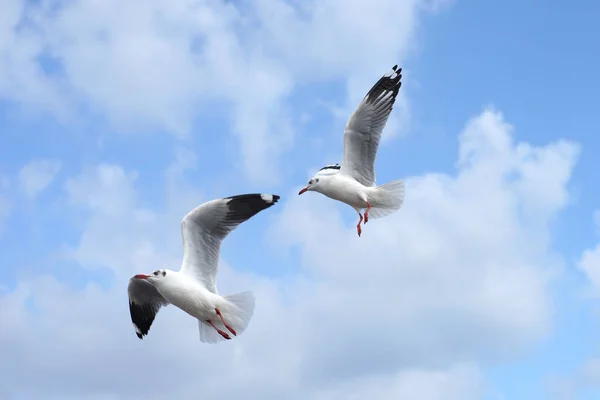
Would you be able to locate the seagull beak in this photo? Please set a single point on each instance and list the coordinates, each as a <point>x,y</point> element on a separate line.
<point>142,276</point>
<point>302,191</point>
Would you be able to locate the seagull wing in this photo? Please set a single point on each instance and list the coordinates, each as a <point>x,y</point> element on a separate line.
<point>364,127</point>
<point>144,303</point>
<point>204,228</point>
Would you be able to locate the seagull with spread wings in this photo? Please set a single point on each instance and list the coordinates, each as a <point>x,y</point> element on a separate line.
<point>353,182</point>
<point>194,287</point>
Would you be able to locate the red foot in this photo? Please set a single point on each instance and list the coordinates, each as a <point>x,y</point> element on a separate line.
<point>358,229</point>
<point>220,332</point>
<point>229,328</point>
<point>367,212</point>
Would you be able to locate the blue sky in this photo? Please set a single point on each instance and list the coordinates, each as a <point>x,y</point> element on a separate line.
<point>126,125</point>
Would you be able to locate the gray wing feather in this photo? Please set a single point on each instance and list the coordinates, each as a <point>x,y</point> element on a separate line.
<point>144,303</point>
<point>364,127</point>
<point>204,228</point>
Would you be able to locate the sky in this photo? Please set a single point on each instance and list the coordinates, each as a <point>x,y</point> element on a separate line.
<point>117,118</point>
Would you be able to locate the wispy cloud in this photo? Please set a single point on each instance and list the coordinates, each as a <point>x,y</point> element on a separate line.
<point>396,294</point>
<point>37,176</point>
<point>152,65</point>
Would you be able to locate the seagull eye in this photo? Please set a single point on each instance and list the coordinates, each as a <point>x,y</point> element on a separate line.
<point>310,182</point>
<point>155,273</point>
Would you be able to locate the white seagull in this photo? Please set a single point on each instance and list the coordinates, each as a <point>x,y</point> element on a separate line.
<point>353,182</point>
<point>194,287</point>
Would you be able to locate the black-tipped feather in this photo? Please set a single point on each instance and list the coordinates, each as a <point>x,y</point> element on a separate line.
<point>142,317</point>
<point>204,228</point>
<point>385,85</point>
<point>364,128</point>
<point>245,206</point>
<point>144,303</point>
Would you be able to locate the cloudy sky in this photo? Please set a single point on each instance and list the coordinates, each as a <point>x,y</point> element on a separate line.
<point>117,117</point>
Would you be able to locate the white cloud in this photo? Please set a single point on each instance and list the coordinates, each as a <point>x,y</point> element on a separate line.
<point>460,257</point>
<point>415,307</point>
<point>37,175</point>
<point>108,194</point>
<point>585,377</point>
<point>155,65</point>
<point>460,382</point>
<point>21,76</point>
<point>104,189</point>
<point>589,263</point>
<point>591,372</point>
<point>94,354</point>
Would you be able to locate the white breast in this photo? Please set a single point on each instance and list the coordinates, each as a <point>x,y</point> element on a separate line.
<point>347,190</point>
<point>189,295</point>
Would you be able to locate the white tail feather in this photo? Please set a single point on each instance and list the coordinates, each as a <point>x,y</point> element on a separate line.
<point>208,334</point>
<point>389,198</point>
<point>240,311</point>
<point>237,310</point>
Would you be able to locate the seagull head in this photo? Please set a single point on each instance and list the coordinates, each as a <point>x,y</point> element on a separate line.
<point>312,185</point>
<point>154,277</point>
<point>319,181</point>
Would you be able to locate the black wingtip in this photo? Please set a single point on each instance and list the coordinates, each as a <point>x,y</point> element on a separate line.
<point>269,199</point>
<point>390,82</point>
<point>142,317</point>
<point>244,206</point>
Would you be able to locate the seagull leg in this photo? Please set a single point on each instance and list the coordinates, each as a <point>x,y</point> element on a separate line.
<point>224,334</point>
<point>229,328</point>
<point>367,212</point>
<point>358,229</point>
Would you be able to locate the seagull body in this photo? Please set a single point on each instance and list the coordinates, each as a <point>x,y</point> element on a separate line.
<point>193,288</point>
<point>353,182</point>
<point>347,190</point>
<point>189,295</point>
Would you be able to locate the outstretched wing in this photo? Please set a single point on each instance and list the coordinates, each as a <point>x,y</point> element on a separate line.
<point>144,303</point>
<point>204,228</point>
<point>364,127</point>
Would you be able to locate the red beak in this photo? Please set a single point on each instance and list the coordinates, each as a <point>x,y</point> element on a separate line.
<point>302,191</point>
<point>142,276</point>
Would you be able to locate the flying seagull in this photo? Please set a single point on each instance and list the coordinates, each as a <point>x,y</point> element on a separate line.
<point>353,182</point>
<point>194,287</point>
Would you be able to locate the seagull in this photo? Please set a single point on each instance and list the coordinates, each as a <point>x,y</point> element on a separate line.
<point>353,182</point>
<point>194,287</point>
